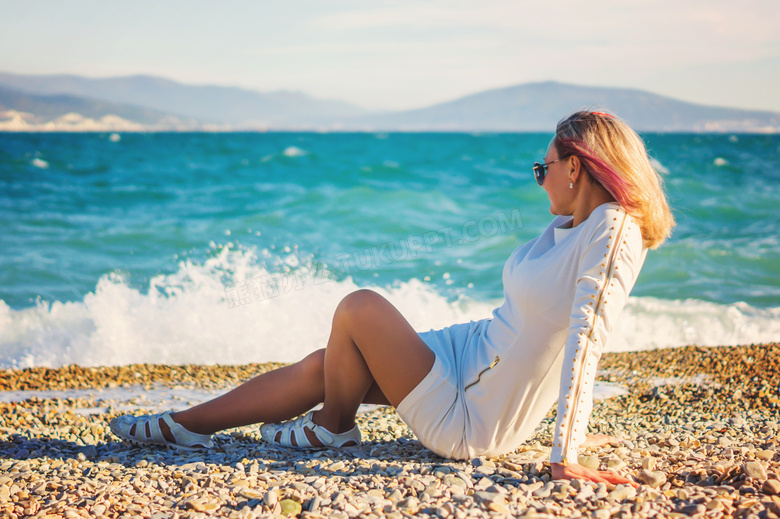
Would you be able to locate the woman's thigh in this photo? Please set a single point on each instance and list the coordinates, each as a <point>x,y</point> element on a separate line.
<point>396,356</point>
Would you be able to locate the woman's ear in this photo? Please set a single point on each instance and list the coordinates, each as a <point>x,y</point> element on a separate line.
<point>575,168</point>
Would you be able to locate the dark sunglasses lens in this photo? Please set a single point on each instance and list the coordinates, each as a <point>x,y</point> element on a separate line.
<point>539,173</point>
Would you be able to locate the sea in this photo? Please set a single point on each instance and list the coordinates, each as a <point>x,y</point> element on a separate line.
<point>232,248</point>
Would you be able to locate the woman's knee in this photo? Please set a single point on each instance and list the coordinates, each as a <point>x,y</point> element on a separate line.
<point>357,304</point>
<point>313,365</point>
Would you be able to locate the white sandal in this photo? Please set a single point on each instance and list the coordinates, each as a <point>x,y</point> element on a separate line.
<point>147,431</point>
<point>295,431</point>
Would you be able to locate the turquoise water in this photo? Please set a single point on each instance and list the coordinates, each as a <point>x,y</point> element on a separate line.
<point>236,247</point>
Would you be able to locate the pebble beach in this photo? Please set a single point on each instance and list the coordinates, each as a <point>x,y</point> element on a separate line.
<point>698,430</point>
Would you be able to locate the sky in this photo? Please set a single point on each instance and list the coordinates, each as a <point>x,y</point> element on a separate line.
<point>392,55</point>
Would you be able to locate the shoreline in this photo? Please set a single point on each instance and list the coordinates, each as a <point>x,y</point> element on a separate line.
<point>703,446</point>
<point>624,366</point>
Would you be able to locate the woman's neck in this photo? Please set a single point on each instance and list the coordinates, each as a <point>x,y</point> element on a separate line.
<point>589,197</point>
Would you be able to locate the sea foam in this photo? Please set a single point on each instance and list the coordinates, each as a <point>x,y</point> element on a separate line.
<point>215,312</point>
<point>189,317</point>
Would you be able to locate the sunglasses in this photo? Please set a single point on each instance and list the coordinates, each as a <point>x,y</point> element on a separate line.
<point>540,170</point>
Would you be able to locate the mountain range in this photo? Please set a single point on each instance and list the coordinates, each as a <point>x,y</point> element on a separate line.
<point>148,103</point>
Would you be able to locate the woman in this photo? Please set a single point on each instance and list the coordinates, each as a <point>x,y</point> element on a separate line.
<point>479,388</point>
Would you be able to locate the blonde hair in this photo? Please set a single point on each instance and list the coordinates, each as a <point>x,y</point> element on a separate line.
<point>615,156</point>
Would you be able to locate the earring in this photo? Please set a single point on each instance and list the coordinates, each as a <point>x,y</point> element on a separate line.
<point>571,185</point>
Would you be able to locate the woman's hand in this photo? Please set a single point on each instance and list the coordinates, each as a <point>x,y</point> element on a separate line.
<point>575,471</point>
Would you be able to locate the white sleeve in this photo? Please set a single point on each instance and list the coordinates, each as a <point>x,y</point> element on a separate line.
<point>609,265</point>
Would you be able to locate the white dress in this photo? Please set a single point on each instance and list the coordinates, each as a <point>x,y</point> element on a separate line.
<point>494,380</point>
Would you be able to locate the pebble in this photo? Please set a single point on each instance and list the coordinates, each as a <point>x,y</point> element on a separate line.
<point>623,492</point>
<point>250,493</point>
<point>755,470</point>
<point>544,491</point>
<point>270,499</point>
<point>697,450</point>
<point>455,482</point>
<point>591,462</point>
<point>616,464</point>
<point>771,487</point>
<point>693,510</point>
<point>765,455</point>
<point>489,497</point>
<point>651,478</point>
<point>290,507</point>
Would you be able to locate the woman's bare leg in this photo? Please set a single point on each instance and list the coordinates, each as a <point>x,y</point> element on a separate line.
<point>272,396</point>
<point>370,342</point>
<point>373,356</point>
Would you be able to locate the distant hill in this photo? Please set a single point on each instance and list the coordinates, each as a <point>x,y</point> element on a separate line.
<point>141,103</point>
<point>45,108</point>
<point>539,106</point>
<point>207,103</point>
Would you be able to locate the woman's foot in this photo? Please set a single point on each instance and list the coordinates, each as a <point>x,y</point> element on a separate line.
<point>158,429</point>
<point>303,433</point>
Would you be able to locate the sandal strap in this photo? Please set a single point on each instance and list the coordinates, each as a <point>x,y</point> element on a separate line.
<point>323,435</point>
<point>157,435</point>
<point>298,428</point>
<point>337,440</point>
<point>182,437</point>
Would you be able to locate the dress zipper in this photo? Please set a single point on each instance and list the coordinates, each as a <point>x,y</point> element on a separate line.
<point>492,365</point>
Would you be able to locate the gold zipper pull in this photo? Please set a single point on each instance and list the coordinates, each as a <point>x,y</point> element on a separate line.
<point>479,376</point>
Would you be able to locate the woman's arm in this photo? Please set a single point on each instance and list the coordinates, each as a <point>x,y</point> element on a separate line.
<point>608,267</point>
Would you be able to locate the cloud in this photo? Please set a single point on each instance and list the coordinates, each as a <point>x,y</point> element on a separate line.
<point>400,53</point>
<point>372,48</point>
<point>416,15</point>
